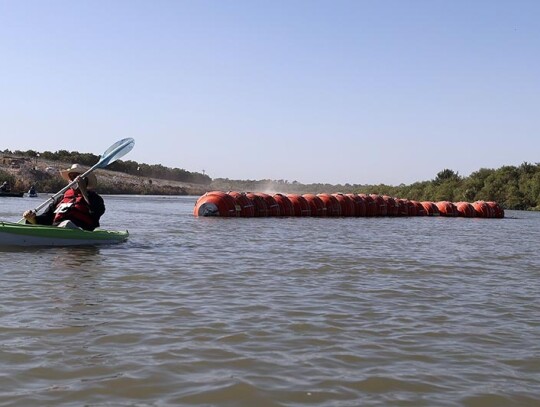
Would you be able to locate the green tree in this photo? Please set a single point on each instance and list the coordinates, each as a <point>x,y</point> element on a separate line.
<point>446,175</point>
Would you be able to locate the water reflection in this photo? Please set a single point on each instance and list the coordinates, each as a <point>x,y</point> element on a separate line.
<point>74,258</point>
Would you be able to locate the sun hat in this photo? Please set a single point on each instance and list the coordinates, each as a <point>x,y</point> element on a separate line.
<point>78,169</point>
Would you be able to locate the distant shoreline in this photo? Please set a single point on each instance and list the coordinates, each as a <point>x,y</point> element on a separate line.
<point>512,187</point>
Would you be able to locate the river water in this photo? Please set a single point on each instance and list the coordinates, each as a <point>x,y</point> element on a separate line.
<point>274,311</point>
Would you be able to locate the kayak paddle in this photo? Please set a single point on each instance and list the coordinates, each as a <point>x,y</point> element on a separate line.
<point>113,153</point>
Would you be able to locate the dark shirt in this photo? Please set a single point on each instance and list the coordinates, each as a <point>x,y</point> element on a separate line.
<point>97,208</point>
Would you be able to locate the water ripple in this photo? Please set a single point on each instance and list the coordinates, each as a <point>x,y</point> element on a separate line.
<point>276,312</point>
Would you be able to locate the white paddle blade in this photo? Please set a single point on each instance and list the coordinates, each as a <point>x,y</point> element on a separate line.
<point>117,150</point>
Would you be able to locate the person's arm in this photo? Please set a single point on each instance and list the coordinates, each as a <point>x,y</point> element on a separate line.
<point>82,183</point>
<point>46,217</point>
<point>97,206</point>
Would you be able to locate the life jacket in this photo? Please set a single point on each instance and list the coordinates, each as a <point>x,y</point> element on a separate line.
<point>74,207</point>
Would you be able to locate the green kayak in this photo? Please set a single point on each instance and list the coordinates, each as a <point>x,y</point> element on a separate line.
<point>17,234</point>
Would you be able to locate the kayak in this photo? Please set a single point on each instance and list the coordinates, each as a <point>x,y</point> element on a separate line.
<point>17,234</point>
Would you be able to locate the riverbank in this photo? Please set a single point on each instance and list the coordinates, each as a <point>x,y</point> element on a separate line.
<point>45,176</point>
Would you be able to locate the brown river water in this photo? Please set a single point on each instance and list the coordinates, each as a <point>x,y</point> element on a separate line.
<point>259,312</point>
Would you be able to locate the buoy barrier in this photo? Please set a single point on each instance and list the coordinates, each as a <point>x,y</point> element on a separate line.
<point>359,205</point>
<point>392,208</point>
<point>380,205</point>
<point>346,204</point>
<point>447,208</point>
<point>316,205</point>
<point>300,205</point>
<point>286,207</point>
<point>244,205</point>
<point>465,209</point>
<point>260,204</point>
<point>430,208</point>
<point>371,206</point>
<point>331,204</point>
<point>217,203</point>
<point>261,208</point>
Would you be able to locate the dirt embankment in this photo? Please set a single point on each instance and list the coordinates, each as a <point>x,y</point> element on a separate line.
<point>46,178</point>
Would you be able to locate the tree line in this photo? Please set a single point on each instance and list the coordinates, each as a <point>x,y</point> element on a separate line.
<point>513,187</point>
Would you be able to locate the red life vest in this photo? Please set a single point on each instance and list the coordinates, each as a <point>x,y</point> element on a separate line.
<point>74,207</point>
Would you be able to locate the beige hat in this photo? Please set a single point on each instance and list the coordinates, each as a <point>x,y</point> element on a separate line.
<point>78,169</point>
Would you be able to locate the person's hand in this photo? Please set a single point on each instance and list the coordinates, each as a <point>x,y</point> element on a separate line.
<point>30,216</point>
<point>81,183</point>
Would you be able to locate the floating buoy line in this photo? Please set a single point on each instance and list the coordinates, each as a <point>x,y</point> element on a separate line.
<point>259,204</point>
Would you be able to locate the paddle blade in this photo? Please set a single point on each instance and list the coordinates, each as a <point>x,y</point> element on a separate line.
<point>114,152</point>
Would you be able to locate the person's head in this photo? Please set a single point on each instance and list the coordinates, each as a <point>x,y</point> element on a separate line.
<point>74,171</point>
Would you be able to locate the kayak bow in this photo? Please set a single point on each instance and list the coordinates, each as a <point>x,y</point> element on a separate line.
<point>16,234</point>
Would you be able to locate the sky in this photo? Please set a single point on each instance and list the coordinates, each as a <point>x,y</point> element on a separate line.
<point>336,91</point>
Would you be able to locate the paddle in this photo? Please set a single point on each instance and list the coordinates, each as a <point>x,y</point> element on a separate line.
<point>113,153</point>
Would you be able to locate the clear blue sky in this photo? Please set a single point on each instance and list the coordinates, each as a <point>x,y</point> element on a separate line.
<point>333,91</point>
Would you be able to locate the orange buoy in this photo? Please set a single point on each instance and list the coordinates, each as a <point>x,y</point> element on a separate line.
<point>371,205</point>
<point>346,203</point>
<point>247,209</point>
<point>392,208</point>
<point>446,208</point>
<point>403,207</point>
<point>300,205</point>
<point>316,205</point>
<point>488,209</point>
<point>286,207</point>
<point>482,209</point>
<point>271,204</point>
<point>413,210</point>
<point>496,210</point>
<point>465,209</point>
<point>261,209</point>
<point>420,211</point>
<point>359,204</point>
<point>332,205</point>
<point>430,208</point>
<point>216,203</point>
<point>380,204</point>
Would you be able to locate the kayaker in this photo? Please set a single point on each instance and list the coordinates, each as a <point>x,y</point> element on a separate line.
<point>79,207</point>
